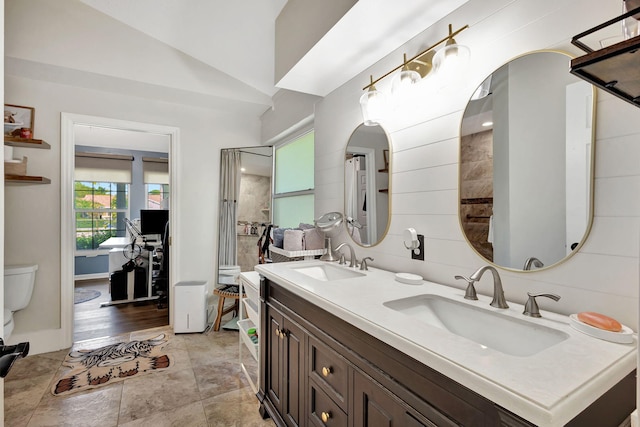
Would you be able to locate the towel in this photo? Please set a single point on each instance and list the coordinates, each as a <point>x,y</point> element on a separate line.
<point>313,239</point>
<point>278,237</point>
<point>293,240</point>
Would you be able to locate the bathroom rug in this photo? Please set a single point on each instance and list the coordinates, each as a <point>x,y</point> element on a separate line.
<point>81,295</point>
<point>111,363</point>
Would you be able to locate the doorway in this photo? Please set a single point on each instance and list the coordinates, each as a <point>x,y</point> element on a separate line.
<point>116,138</point>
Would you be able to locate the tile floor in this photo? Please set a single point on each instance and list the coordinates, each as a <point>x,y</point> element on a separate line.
<point>205,387</point>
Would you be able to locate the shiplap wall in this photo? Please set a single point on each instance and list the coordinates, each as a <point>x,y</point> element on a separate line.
<point>604,275</point>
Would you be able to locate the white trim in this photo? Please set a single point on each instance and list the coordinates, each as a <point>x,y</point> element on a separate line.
<point>91,276</point>
<point>64,336</point>
<point>372,204</point>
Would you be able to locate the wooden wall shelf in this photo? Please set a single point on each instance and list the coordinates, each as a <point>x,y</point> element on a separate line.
<point>614,69</point>
<point>26,143</point>
<point>26,179</point>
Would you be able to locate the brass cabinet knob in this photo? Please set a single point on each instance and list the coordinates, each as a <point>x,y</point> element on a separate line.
<point>277,332</point>
<point>325,416</point>
<point>283,334</point>
<point>326,371</point>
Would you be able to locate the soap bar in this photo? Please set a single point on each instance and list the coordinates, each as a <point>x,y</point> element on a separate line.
<point>600,321</point>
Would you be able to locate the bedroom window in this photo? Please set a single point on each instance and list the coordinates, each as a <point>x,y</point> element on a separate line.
<point>100,209</point>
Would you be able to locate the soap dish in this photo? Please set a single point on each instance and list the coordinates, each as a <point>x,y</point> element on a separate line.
<point>409,279</point>
<point>625,336</point>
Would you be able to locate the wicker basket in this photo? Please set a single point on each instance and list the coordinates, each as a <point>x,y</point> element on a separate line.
<point>280,255</point>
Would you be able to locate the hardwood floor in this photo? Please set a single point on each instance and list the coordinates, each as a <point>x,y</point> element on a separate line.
<point>92,321</point>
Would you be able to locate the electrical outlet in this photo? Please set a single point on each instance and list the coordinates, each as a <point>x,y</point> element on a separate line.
<point>420,255</point>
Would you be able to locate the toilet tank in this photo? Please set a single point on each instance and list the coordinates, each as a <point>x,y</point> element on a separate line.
<point>18,285</point>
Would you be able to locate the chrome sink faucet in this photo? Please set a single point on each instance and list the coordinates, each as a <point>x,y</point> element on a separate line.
<point>363,264</point>
<point>532,261</point>
<point>353,262</point>
<point>498,293</point>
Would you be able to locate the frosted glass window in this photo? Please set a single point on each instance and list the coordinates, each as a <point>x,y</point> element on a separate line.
<point>293,182</point>
<point>294,165</point>
<point>289,212</point>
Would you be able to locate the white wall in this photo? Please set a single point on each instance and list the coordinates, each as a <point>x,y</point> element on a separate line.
<point>32,214</point>
<point>603,276</point>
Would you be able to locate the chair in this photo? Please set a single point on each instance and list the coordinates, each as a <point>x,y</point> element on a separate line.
<point>224,292</point>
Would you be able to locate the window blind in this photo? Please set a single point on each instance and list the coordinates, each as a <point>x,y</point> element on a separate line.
<point>92,167</point>
<point>155,170</point>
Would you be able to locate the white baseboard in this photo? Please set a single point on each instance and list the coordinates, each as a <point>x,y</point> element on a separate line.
<point>634,419</point>
<point>41,341</point>
<point>92,276</point>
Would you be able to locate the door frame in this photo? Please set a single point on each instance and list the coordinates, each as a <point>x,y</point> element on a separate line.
<point>67,240</point>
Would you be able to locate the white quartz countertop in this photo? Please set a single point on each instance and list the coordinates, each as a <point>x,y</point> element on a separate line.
<point>547,388</point>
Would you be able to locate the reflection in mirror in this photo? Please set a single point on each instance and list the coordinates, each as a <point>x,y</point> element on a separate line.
<point>245,202</point>
<point>367,184</point>
<point>526,156</point>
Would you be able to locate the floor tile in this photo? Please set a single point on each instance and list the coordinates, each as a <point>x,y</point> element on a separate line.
<point>203,387</point>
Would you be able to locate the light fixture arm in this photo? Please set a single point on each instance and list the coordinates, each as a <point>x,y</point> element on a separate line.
<point>450,36</point>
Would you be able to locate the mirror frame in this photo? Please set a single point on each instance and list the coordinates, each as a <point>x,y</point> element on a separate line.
<point>591,179</point>
<point>389,168</point>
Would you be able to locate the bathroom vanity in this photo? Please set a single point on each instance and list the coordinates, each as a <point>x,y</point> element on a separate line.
<point>343,347</point>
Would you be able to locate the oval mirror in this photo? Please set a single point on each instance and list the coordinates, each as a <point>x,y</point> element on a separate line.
<point>367,185</point>
<point>526,163</point>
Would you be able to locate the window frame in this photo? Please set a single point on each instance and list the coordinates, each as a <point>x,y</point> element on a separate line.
<point>125,211</point>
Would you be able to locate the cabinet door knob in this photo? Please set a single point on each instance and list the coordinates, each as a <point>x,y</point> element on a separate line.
<point>326,371</point>
<point>283,334</point>
<point>325,416</point>
<point>277,331</point>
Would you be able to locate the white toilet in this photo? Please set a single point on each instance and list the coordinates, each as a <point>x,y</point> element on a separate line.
<point>228,274</point>
<point>18,287</point>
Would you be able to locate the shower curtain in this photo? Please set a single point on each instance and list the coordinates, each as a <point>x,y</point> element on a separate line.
<point>229,192</point>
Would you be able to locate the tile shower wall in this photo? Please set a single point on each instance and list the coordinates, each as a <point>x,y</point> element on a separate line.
<point>476,190</point>
<point>253,208</point>
<point>603,275</point>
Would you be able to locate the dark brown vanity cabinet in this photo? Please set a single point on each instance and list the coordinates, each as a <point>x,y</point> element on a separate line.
<point>318,370</point>
<point>285,371</point>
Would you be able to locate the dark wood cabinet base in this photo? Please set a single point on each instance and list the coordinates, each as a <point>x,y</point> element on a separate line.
<point>347,377</point>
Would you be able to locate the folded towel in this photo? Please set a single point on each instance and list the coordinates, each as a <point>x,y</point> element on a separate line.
<point>293,240</point>
<point>313,239</point>
<point>304,226</point>
<point>278,237</point>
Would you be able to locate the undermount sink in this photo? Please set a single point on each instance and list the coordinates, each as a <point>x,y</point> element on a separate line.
<point>328,272</point>
<point>488,328</point>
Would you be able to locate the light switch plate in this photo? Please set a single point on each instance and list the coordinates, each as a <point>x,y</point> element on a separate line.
<point>420,256</point>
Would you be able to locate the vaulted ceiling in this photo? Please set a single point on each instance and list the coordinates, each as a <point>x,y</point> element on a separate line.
<point>215,54</point>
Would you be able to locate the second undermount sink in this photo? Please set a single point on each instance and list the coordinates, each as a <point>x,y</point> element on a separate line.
<point>327,272</point>
<point>516,337</point>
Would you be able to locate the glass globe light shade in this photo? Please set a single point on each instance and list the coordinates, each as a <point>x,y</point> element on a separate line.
<point>373,105</point>
<point>450,61</point>
<point>403,82</point>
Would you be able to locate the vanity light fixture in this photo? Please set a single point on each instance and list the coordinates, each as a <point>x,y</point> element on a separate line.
<point>487,124</point>
<point>447,60</point>
<point>373,104</point>
<point>403,81</point>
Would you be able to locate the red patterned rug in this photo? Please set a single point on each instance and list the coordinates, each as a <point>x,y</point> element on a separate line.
<point>111,363</point>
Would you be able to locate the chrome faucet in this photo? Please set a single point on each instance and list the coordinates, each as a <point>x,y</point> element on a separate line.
<point>532,261</point>
<point>498,293</point>
<point>353,262</point>
<point>363,264</point>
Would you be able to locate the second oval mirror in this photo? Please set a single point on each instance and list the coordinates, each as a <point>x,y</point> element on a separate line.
<point>526,163</point>
<point>367,185</point>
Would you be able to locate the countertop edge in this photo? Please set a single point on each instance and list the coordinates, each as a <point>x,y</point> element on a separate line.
<point>557,415</point>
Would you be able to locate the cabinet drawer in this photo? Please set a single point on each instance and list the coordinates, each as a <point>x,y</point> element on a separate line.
<point>323,411</point>
<point>329,370</point>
